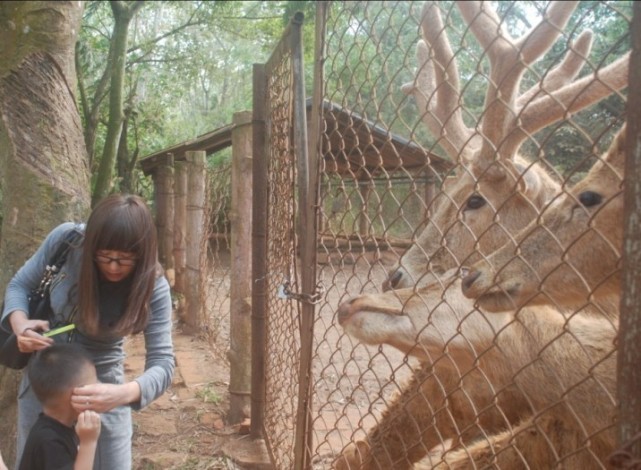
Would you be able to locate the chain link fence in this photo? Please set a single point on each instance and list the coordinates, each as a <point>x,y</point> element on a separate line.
<point>217,285</point>
<point>275,172</point>
<point>417,373</point>
<point>446,129</point>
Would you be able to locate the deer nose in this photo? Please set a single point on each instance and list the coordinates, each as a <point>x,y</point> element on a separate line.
<point>392,280</point>
<point>469,279</point>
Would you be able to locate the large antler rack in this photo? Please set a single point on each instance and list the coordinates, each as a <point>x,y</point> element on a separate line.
<point>507,119</point>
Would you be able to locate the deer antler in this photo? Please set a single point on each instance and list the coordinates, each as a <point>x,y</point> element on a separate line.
<point>563,73</point>
<point>508,119</point>
<point>509,60</point>
<point>569,99</point>
<point>438,77</point>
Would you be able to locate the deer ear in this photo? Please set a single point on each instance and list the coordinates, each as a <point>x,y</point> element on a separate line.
<point>615,156</point>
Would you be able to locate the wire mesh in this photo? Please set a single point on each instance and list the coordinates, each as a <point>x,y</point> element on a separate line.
<point>440,142</point>
<point>282,352</point>
<point>217,283</point>
<point>418,373</point>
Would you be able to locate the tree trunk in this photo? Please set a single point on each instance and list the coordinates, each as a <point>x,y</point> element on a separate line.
<point>126,160</point>
<point>43,165</point>
<point>123,14</point>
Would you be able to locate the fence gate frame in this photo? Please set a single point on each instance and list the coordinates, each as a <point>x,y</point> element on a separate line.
<point>290,50</point>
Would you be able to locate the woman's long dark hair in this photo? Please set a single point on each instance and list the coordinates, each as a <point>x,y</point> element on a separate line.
<point>119,222</point>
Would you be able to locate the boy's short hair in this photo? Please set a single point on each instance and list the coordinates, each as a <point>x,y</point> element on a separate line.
<point>56,369</point>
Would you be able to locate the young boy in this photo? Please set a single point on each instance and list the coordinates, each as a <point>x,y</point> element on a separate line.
<point>53,443</point>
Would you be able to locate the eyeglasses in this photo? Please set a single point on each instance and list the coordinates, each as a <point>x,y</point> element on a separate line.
<point>125,262</point>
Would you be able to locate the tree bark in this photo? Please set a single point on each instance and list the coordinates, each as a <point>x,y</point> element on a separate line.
<point>123,13</point>
<point>43,165</point>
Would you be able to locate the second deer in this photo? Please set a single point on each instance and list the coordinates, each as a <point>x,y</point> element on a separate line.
<point>492,182</point>
<point>527,388</point>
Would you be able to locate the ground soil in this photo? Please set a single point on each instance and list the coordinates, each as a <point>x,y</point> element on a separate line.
<point>185,428</point>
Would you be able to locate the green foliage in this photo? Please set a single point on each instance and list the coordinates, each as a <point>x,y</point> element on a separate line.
<point>394,208</point>
<point>189,63</point>
<point>208,394</point>
<point>189,68</point>
<point>371,54</point>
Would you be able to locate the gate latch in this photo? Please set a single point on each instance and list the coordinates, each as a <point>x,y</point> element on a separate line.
<point>285,292</point>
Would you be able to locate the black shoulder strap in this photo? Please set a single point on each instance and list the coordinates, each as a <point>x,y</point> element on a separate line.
<point>60,255</point>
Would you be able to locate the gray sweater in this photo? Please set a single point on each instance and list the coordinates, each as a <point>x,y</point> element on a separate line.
<point>108,354</point>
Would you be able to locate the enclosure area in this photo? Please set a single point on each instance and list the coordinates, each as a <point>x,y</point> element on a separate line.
<point>423,228</point>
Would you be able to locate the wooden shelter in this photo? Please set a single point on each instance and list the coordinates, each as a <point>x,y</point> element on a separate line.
<point>353,147</point>
<point>356,145</point>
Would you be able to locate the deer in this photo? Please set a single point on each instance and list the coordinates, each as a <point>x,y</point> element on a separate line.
<point>547,263</point>
<point>489,156</point>
<point>531,388</point>
<point>527,387</point>
<point>492,181</point>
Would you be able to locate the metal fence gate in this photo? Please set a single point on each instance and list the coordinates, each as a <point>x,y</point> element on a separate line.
<point>284,252</point>
<point>446,128</point>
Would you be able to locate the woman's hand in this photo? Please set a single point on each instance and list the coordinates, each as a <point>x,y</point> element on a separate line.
<point>30,340</point>
<point>102,398</point>
<point>28,332</point>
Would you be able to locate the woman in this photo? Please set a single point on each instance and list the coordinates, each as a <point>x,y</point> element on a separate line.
<point>111,286</point>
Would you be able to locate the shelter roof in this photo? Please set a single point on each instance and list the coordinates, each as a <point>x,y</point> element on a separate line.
<point>352,144</point>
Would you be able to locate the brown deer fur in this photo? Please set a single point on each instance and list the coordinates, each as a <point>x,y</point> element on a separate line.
<point>533,388</point>
<point>512,190</point>
<point>573,252</point>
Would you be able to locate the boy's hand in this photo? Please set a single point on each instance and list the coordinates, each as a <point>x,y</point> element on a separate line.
<point>88,426</point>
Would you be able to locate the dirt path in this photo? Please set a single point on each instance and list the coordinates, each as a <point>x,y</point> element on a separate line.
<point>185,428</point>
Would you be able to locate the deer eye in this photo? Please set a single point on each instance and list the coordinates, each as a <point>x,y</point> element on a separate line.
<point>590,198</point>
<point>475,202</point>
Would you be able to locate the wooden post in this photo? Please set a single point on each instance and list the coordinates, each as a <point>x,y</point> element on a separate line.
<point>195,252</point>
<point>430,191</point>
<point>164,185</point>
<point>240,284</point>
<point>180,232</point>
<point>629,339</point>
<point>364,226</point>
<point>259,251</point>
